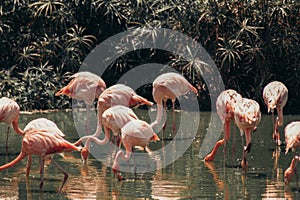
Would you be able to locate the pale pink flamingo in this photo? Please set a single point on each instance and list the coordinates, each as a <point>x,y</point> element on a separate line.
<point>292,139</point>
<point>84,86</point>
<point>41,124</point>
<point>225,105</point>
<point>247,116</point>
<point>42,143</point>
<point>113,119</point>
<point>9,114</point>
<point>169,86</point>
<point>275,95</point>
<point>134,133</point>
<point>118,94</point>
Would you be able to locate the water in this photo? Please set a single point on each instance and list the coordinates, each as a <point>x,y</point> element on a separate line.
<point>186,178</point>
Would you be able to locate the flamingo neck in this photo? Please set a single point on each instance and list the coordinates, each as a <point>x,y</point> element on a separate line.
<point>98,130</point>
<point>248,136</point>
<point>294,162</point>
<point>158,115</point>
<point>280,116</point>
<point>121,154</point>
<point>17,128</point>
<point>99,142</point>
<point>13,162</point>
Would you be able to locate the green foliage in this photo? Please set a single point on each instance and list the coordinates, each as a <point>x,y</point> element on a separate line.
<point>251,41</point>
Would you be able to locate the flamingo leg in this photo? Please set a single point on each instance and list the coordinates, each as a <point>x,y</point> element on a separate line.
<point>64,172</point>
<point>173,116</point>
<point>42,161</point>
<point>28,165</point>
<point>7,133</point>
<point>164,107</point>
<point>246,149</point>
<point>233,143</point>
<point>227,136</point>
<point>87,122</point>
<point>134,164</point>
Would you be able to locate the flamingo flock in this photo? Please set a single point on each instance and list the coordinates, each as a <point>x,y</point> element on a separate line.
<point>43,138</point>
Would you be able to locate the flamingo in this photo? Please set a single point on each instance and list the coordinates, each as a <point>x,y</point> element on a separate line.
<point>9,114</point>
<point>84,86</point>
<point>41,124</point>
<point>118,94</point>
<point>134,133</point>
<point>247,116</point>
<point>113,119</point>
<point>169,86</point>
<point>42,143</point>
<point>275,95</point>
<point>225,105</point>
<point>291,170</point>
<point>292,139</point>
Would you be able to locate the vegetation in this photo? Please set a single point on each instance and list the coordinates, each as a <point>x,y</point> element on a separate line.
<point>252,42</point>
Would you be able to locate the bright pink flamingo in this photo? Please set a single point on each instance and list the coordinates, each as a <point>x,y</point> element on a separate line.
<point>113,119</point>
<point>225,105</point>
<point>84,86</point>
<point>41,124</point>
<point>9,114</point>
<point>292,139</point>
<point>134,133</point>
<point>42,143</point>
<point>247,116</point>
<point>118,94</point>
<point>275,95</point>
<point>169,86</point>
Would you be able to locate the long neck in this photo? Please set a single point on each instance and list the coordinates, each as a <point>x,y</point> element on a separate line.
<point>17,128</point>
<point>124,157</point>
<point>158,116</point>
<point>14,162</point>
<point>248,136</point>
<point>280,116</point>
<point>89,139</point>
<point>293,163</point>
<point>99,142</point>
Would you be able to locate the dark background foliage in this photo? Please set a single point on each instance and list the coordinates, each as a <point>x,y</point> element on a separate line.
<point>43,42</point>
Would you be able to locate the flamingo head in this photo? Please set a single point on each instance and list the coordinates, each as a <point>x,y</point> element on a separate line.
<point>84,154</point>
<point>116,170</point>
<point>271,104</point>
<point>116,167</point>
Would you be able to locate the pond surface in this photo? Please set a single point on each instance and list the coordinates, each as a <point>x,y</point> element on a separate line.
<point>186,178</point>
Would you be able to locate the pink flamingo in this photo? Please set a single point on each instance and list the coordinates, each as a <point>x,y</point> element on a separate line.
<point>169,86</point>
<point>291,170</point>
<point>9,114</point>
<point>292,139</point>
<point>275,95</point>
<point>41,124</point>
<point>113,119</point>
<point>225,105</point>
<point>247,116</point>
<point>118,94</point>
<point>42,143</point>
<point>84,86</point>
<point>134,133</point>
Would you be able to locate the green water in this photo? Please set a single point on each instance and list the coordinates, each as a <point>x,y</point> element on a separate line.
<point>186,178</point>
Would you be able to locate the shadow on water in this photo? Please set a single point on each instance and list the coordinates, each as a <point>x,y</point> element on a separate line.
<point>185,178</point>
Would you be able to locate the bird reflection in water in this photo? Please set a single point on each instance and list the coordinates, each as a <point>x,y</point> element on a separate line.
<point>221,184</point>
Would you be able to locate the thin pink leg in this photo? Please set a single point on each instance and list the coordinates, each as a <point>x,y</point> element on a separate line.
<point>174,117</point>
